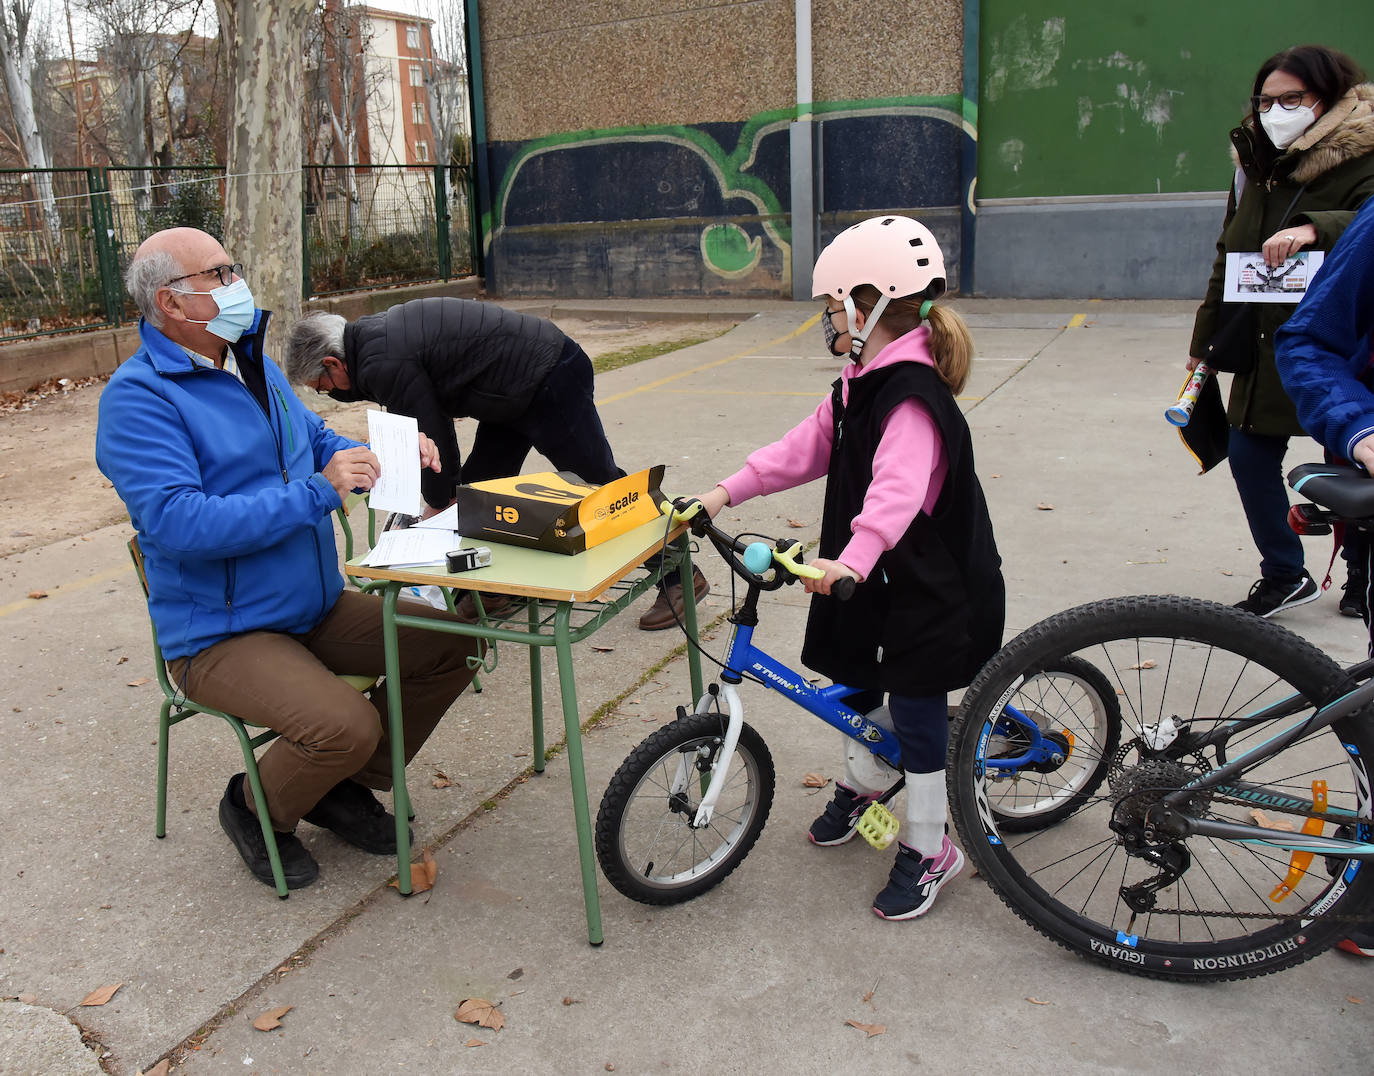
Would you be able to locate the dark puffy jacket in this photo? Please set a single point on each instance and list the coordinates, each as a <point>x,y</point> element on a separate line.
<point>1322,179</point>
<point>443,358</point>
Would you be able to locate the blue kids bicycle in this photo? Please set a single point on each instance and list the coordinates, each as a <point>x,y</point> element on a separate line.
<point>688,804</point>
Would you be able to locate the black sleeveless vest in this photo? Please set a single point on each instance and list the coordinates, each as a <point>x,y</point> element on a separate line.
<point>931,611</point>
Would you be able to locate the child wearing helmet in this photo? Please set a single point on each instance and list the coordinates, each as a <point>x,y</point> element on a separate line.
<point>905,516</point>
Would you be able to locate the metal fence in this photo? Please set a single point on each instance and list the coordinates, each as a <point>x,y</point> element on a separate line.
<point>66,234</point>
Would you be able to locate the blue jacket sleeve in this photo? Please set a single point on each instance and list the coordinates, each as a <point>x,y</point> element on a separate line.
<point>1323,350</point>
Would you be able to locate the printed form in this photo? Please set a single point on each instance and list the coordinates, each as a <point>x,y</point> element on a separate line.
<point>395,441</point>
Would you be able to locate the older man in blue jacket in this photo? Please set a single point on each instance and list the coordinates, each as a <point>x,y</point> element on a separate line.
<point>230,483</point>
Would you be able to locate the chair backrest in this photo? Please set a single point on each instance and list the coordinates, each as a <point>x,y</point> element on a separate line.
<point>159,663</point>
<point>350,549</point>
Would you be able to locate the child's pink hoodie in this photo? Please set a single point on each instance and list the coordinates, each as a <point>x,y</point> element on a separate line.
<point>908,469</point>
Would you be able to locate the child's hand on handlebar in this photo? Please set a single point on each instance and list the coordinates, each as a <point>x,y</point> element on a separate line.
<point>834,572</point>
<point>714,501</point>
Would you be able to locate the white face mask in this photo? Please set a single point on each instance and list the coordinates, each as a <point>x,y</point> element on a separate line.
<point>1283,126</point>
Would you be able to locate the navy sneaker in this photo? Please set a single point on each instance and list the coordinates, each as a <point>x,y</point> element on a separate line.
<point>840,819</point>
<point>1360,942</point>
<point>1270,596</point>
<point>1353,600</point>
<point>915,881</point>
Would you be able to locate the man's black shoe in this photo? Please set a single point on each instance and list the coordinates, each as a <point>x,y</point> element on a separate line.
<point>298,865</point>
<point>351,811</point>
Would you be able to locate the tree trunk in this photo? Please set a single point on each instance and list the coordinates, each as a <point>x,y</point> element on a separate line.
<point>16,60</point>
<point>262,218</point>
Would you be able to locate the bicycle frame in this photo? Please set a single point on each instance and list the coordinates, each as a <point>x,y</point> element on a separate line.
<point>744,658</point>
<point>1174,822</point>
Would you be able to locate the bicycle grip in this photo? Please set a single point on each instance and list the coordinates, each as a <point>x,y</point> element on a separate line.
<point>844,588</point>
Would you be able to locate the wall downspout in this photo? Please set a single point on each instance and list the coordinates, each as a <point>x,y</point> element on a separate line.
<point>481,208</point>
<point>802,150</point>
<point>968,151</point>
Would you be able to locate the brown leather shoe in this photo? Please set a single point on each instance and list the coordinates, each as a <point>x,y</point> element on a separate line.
<point>496,606</point>
<point>666,612</point>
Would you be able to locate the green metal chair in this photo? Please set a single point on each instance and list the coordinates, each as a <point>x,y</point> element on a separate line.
<point>177,708</point>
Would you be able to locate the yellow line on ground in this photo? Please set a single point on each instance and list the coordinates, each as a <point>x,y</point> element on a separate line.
<point>803,327</point>
<point>1076,322</point>
<point>65,588</point>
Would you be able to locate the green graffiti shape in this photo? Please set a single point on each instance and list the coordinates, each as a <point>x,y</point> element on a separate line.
<point>729,252</point>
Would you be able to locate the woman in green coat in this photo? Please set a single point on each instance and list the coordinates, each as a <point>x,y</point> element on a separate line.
<point>1305,164</point>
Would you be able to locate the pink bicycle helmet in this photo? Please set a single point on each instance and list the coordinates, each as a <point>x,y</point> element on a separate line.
<point>897,255</point>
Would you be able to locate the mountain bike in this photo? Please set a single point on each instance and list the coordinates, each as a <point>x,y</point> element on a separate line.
<point>688,804</point>
<point>1230,835</point>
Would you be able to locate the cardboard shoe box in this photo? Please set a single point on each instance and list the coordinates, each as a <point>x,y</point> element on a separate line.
<point>556,511</point>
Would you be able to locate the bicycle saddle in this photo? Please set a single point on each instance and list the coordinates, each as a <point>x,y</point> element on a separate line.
<point>1346,490</point>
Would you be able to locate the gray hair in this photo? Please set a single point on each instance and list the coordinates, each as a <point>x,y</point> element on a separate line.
<point>146,276</point>
<point>311,340</point>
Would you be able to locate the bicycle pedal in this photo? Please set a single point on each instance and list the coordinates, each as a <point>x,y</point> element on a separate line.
<point>878,826</point>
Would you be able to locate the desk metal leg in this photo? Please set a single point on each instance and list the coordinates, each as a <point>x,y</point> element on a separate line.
<point>400,797</point>
<point>536,690</point>
<point>578,775</point>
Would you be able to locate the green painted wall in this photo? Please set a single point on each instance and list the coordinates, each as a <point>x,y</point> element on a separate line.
<point>1082,97</point>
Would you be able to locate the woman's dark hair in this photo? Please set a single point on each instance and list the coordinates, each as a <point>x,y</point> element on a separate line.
<point>1325,72</point>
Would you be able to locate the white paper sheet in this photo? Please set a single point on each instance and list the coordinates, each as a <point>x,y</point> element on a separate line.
<point>1249,280</point>
<point>411,547</point>
<point>395,440</point>
<point>445,520</point>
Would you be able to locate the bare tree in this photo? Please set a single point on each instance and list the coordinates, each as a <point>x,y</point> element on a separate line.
<point>265,45</point>
<point>140,44</point>
<point>446,77</point>
<point>20,41</point>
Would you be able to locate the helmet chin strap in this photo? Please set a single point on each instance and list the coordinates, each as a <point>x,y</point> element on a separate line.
<point>856,344</point>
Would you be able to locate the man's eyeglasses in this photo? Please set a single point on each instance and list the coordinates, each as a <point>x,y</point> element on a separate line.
<point>226,274</point>
<point>1286,101</point>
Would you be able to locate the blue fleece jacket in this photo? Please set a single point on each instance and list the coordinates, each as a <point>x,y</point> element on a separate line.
<point>1323,350</point>
<point>228,500</point>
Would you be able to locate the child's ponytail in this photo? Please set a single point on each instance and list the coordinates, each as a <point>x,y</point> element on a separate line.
<point>951,346</point>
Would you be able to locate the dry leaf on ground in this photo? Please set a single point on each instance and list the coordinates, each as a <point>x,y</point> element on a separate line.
<point>1148,663</point>
<point>815,780</point>
<point>572,1001</point>
<point>481,1012</point>
<point>162,1068</point>
<point>474,1042</point>
<point>35,594</point>
<point>441,780</point>
<point>422,874</point>
<point>140,681</point>
<point>1036,1001</point>
<point>101,996</point>
<point>1045,506</point>
<point>271,1019</point>
<point>868,1029</point>
<point>795,523</point>
<point>1353,1000</point>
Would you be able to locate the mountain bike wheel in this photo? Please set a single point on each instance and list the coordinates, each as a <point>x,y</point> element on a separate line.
<point>1074,706</point>
<point>1185,673</point>
<point>645,840</point>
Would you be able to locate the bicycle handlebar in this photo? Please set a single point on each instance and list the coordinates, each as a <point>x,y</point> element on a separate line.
<point>737,553</point>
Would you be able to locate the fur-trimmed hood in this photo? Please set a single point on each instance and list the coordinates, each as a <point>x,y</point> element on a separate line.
<point>1345,131</point>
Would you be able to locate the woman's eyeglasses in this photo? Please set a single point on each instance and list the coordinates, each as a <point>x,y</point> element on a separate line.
<point>1286,101</point>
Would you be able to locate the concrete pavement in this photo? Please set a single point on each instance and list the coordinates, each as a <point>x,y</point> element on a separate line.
<point>1092,495</point>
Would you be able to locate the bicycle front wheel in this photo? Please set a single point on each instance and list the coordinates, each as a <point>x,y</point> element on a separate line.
<point>1102,880</point>
<point>645,840</point>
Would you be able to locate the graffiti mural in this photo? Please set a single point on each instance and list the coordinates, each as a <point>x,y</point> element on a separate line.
<point>703,209</point>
